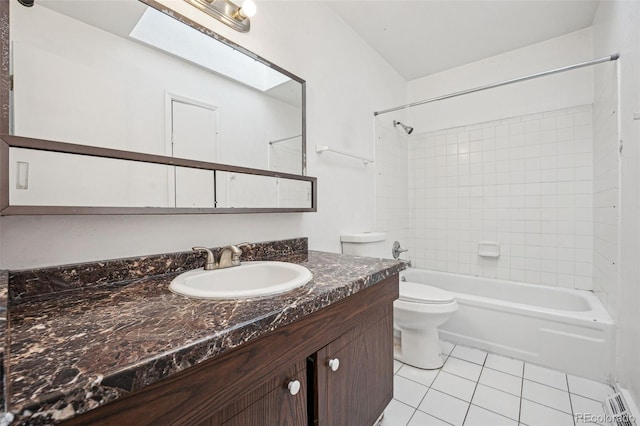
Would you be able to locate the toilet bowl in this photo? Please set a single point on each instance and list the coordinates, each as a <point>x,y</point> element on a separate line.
<point>417,313</point>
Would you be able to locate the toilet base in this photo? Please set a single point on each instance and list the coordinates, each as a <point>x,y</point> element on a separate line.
<point>420,348</point>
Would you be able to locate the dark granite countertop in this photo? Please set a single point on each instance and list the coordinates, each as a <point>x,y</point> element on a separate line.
<point>85,347</point>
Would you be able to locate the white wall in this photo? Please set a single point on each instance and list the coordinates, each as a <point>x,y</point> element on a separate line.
<point>346,82</point>
<point>544,94</point>
<point>617,28</point>
<point>392,179</point>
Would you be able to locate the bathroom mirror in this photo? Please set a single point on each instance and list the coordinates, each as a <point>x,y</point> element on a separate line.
<point>59,178</point>
<point>123,76</point>
<point>138,184</point>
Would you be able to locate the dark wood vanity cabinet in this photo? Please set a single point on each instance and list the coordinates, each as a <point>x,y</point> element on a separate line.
<point>280,401</point>
<point>349,380</point>
<point>249,385</point>
<point>356,389</point>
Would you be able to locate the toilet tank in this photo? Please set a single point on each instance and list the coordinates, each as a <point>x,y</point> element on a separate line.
<point>370,244</point>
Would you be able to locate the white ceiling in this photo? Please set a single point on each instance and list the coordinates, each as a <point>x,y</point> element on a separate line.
<point>423,37</point>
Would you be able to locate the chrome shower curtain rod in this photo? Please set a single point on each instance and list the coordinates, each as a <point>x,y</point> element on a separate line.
<point>612,57</point>
<point>284,139</point>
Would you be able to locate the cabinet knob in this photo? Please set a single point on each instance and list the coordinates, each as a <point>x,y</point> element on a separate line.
<point>334,364</point>
<point>294,387</point>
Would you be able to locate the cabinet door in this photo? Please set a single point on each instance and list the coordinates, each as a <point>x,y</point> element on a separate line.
<point>273,403</point>
<point>357,390</point>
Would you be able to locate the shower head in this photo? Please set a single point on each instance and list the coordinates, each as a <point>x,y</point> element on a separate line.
<point>406,128</point>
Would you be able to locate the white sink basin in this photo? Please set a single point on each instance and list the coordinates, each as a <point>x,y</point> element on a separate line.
<point>250,279</point>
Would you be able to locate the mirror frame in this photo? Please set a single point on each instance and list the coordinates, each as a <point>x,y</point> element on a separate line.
<point>10,141</point>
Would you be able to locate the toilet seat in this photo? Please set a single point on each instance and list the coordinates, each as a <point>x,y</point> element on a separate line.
<point>421,293</point>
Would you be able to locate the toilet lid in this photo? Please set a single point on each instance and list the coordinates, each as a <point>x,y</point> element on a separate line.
<point>422,293</point>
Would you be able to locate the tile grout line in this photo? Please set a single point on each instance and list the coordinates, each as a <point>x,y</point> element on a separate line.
<point>504,372</point>
<point>493,412</point>
<point>573,415</point>
<point>411,417</point>
<point>444,393</point>
<point>421,383</point>
<point>499,390</point>
<point>431,415</point>
<point>403,403</point>
<point>467,379</point>
<point>548,385</point>
<point>422,399</point>
<point>425,394</point>
<point>502,390</point>
<point>547,406</point>
<point>412,414</point>
<point>521,392</point>
<point>474,390</point>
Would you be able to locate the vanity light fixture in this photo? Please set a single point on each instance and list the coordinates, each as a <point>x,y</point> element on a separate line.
<point>228,13</point>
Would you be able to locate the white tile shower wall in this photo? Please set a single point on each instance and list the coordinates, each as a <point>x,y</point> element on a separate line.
<point>525,182</point>
<point>392,176</point>
<point>605,186</point>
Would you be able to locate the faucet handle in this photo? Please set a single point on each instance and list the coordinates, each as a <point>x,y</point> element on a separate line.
<point>236,252</point>
<point>210,262</point>
<point>396,250</point>
<point>240,246</point>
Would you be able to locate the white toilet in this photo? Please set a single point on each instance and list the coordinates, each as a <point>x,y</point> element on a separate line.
<point>417,313</point>
<point>370,244</point>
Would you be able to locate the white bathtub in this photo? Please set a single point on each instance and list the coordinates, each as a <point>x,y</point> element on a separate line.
<point>567,330</point>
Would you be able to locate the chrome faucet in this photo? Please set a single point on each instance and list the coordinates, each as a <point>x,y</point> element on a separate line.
<point>210,263</point>
<point>229,256</point>
<point>396,250</point>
